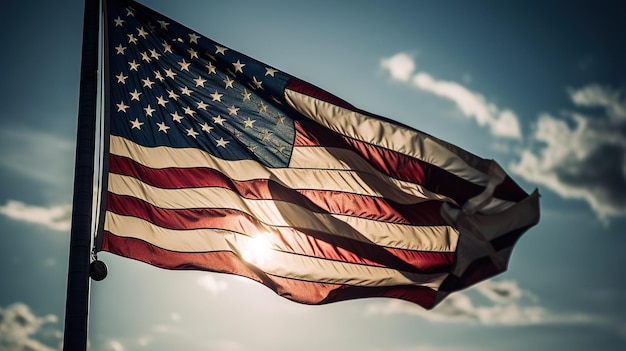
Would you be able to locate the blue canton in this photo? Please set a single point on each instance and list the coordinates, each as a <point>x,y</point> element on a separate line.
<point>173,87</point>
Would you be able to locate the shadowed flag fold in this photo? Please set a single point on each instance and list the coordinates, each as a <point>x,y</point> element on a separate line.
<point>218,162</point>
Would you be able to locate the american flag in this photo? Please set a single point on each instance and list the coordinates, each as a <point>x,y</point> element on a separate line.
<point>219,162</point>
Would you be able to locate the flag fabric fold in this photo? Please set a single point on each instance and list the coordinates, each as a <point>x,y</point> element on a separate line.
<point>218,162</point>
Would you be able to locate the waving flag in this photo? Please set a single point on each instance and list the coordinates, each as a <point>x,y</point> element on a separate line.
<point>222,163</point>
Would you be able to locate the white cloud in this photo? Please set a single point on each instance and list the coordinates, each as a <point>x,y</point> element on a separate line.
<point>579,155</point>
<point>595,95</point>
<point>211,284</point>
<point>20,329</point>
<point>115,345</point>
<point>36,155</point>
<point>144,341</point>
<point>175,317</point>
<point>54,217</point>
<point>582,155</point>
<point>224,345</point>
<point>501,122</point>
<point>508,307</point>
<point>400,66</point>
<point>501,291</point>
<point>459,308</point>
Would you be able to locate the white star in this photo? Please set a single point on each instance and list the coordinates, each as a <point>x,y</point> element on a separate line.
<point>256,83</point>
<point>119,22</point>
<point>149,110</point>
<point>162,127</point>
<point>270,71</point>
<point>121,107</point>
<point>184,65</point>
<point>216,96</point>
<point>158,76</point>
<point>252,148</point>
<point>142,33</point>
<point>120,49</point>
<point>220,50</point>
<point>192,53</point>
<point>200,81</point>
<point>221,142</point>
<point>219,120</point>
<point>121,78</point>
<point>129,12</point>
<point>186,91</point>
<point>245,94</point>
<point>202,105</point>
<point>132,39</point>
<point>210,67</point>
<point>193,38</point>
<point>145,57</point>
<point>206,127</point>
<point>189,111</point>
<point>238,66</point>
<point>154,54</point>
<point>170,73</point>
<point>163,24</point>
<point>147,83</point>
<point>233,110</point>
<point>172,95</point>
<point>167,47</point>
<point>228,82</point>
<point>176,117</point>
<point>249,123</point>
<point>136,124</point>
<point>280,120</point>
<point>267,135</point>
<point>134,65</point>
<point>134,95</point>
<point>161,101</point>
<point>192,133</point>
<point>262,107</point>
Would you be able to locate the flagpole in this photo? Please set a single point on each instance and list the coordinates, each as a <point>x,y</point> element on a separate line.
<point>77,298</point>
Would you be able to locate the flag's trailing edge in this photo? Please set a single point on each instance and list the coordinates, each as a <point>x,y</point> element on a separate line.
<point>219,162</point>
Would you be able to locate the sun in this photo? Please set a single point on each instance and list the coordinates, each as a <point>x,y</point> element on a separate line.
<point>258,250</point>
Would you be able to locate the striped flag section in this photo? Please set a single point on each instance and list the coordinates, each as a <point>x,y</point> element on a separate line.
<point>221,163</point>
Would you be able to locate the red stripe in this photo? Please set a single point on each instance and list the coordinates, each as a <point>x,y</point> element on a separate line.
<point>392,163</point>
<point>303,242</point>
<point>303,87</point>
<point>320,201</point>
<point>227,262</point>
<point>389,162</point>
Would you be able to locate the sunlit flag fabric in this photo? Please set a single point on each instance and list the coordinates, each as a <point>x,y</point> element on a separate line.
<point>219,162</point>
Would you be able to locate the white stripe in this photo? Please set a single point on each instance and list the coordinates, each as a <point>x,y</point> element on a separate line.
<point>337,158</point>
<point>388,135</point>
<point>342,179</point>
<point>276,262</point>
<point>284,214</point>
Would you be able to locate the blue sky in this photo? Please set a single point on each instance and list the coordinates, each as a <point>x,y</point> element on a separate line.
<point>539,87</point>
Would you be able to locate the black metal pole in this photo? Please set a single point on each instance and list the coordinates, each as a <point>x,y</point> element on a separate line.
<point>77,300</point>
